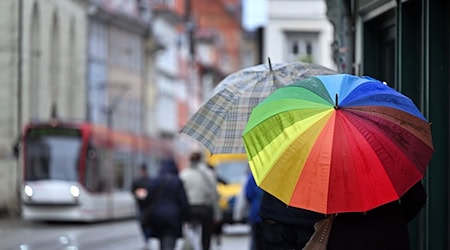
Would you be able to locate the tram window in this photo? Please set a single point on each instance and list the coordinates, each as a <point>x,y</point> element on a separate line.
<point>124,160</point>
<point>104,180</point>
<point>91,169</point>
<point>119,175</point>
<point>52,157</point>
<point>37,161</point>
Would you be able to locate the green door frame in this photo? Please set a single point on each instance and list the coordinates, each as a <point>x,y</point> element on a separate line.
<point>421,72</point>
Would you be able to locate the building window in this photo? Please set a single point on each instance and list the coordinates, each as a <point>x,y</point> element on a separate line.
<point>302,46</point>
<point>126,50</point>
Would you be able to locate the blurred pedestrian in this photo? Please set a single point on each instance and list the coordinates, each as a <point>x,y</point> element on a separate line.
<point>200,184</point>
<point>139,190</point>
<point>253,194</point>
<point>167,209</point>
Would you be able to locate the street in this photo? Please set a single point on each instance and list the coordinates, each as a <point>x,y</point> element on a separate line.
<point>16,234</point>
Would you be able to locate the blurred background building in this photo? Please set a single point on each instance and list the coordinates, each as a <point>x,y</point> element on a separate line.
<point>144,66</point>
<point>140,66</point>
<point>43,74</point>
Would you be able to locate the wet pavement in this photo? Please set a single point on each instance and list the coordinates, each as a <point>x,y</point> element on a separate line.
<point>16,233</point>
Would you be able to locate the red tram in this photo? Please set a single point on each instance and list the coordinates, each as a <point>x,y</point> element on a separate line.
<point>81,171</point>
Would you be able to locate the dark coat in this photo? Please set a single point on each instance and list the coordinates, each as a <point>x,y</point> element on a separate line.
<point>292,227</point>
<point>170,204</point>
<point>385,227</point>
<point>253,194</point>
<point>140,182</point>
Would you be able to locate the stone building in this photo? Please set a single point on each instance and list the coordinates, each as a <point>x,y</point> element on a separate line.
<point>116,70</point>
<point>43,63</point>
<point>141,66</point>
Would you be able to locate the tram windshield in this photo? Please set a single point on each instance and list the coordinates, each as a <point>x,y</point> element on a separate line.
<point>52,154</point>
<point>232,171</point>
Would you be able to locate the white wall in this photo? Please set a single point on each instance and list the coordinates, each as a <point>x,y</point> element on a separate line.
<point>297,16</point>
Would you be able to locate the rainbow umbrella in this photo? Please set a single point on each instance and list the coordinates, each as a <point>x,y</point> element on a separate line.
<point>337,143</point>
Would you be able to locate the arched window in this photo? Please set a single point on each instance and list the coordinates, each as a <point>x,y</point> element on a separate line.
<point>71,81</point>
<point>55,69</point>
<point>34,65</point>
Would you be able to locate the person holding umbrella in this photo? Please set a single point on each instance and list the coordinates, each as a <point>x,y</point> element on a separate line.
<point>253,194</point>
<point>285,227</point>
<point>340,145</point>
<point>385,227</point>
<point>322,145</point>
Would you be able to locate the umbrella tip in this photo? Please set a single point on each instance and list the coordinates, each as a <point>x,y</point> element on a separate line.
<point>270,64</point>
<point>336,106</point>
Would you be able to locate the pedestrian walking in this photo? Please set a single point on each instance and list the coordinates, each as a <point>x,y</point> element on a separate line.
<point>167,208</point>
<point>139,190</point>
<point>200,184</point>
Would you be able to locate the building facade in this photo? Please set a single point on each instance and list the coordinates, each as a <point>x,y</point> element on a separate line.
<point>170,73</point>
<point>140,66</point>
<point>218,42</point>
<point>117,32</point>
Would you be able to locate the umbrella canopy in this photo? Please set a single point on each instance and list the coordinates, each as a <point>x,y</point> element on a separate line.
<point>337,143</point>
<point>219,122</point>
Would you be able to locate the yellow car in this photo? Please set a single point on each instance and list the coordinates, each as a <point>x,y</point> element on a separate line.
<point>231,171</point>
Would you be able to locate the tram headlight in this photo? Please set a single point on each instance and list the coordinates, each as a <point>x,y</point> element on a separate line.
<point>75,191</point>
<point>28,190</point>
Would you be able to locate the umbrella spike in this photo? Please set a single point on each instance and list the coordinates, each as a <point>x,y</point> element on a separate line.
<point>270,64</point>
<point>336,106</point>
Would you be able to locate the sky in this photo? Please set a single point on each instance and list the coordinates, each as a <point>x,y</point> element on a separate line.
<point>254,13</point>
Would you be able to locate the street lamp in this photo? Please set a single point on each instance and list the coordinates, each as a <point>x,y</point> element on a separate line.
<point>109,110</point>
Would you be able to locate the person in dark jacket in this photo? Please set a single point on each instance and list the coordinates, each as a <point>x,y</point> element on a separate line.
<point>285,227</point>
<point>169,209</point>
<point>139,190</point>
<point>385,227</point>
<point>253,194</point>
